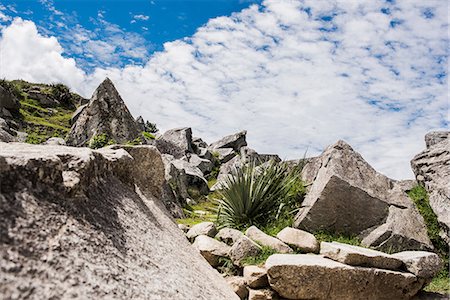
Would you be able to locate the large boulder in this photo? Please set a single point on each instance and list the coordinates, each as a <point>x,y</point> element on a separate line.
<point>347,196</point>
<point>239,286</point>
<point>229,235</point>
<point>256,277</point>
<point>304,276</point>
<point>79,223</point>
<point>180,137</point>
<point>203,228</point>
<point>106,113</point>
<point>234,141</point>
<point>203,164</point>
<point>6,134</point>
<point>432,169</point>
<point>242,249</point>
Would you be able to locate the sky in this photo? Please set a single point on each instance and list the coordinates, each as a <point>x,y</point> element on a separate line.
<point>298,75</point>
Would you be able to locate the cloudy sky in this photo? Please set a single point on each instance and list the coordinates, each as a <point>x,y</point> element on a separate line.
<point>297,74</point>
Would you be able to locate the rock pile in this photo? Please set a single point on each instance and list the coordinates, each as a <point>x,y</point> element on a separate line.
<point>347,196</point>
<point>327,270</point>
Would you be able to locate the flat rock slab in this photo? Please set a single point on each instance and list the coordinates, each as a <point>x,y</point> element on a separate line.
<point>421,263</point>
<point>359,256</point>
<point>299,239</point>
<point>266,240</point>
<point>304,276</point>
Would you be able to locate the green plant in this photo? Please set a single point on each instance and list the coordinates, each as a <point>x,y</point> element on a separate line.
<point>136,141</point>
<point>148,135</point>
<point>259,259</point>
<point>258,195</point>
<point>419,195</point>
<point>100,140</point>
<point>226,267</point>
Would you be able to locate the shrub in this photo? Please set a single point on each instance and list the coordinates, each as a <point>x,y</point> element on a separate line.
<point>136,141</point>
<point>259,195</point>
<point>150,127</point>
<point>100,140</point>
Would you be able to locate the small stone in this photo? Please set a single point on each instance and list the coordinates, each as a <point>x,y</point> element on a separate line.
<point>256,277</point>
<point>299,239</point>
<point>229,235</point>
<point>243,248</point>
<point>266,240</point>
<point>212,250</point>
<point>205,228</point>
<point>263,294</point>
<point>239,286</point>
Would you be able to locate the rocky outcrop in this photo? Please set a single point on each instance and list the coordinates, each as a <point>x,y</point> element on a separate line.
<point>180,137</point>
<point>106,113</point>
<point>348,196</point>
<point>432,169</point>
<point>234,141</point>
<point>6,134</point>
<point>79,223</point>
<point>303,276</point>
<point>8,101</point>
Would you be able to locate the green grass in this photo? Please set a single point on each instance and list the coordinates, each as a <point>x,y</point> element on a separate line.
<point>441,282</point>
<point>277,225</point>
<point>328,237</point>
<point>148,135</point>
<point>260,259</point>
<point>194,217</point>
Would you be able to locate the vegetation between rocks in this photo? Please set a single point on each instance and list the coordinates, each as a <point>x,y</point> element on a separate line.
<point>441,283</point>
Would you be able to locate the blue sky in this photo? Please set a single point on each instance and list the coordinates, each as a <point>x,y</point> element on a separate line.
<point>148,24</point>
<point>297,74</point>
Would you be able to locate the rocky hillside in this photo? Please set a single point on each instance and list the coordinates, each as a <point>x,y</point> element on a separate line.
<point>82,223</point>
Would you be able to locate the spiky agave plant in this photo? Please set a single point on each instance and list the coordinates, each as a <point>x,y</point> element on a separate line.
<point>256,195</point>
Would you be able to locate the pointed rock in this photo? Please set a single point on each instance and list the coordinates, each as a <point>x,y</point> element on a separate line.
<point>106,113</point>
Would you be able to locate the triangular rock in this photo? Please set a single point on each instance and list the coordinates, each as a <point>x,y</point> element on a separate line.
<point>106,113</point>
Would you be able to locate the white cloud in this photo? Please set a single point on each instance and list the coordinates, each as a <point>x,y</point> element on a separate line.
<point>295,74</point>
<point>141,17</point>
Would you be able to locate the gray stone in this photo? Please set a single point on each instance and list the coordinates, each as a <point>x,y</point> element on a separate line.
<point>181,137</point>
<point>262,294</point>
<point>88,224</point>
<point>77,113</point>
<point>106,113</point>
<point>299,239</point>
<point>204,165</point>
<point>305,276</point>
<point>55,141</point>
<point>435,137</point>
<point>256,277</point>
<point>183,227</point>
<point>359,256</point>
<point>204,228</point>
<point>347,196</point>
<point>229,235</point>
<point>431,168</point>
<point>223,154</point>
<point>212,250</point>
<point>235,141</point>
<point>266,240</point>
<point>239,286</point>
<point>242,249</point>
<point>422,264</point>
<point>44,99</point>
